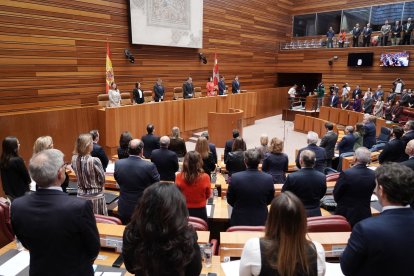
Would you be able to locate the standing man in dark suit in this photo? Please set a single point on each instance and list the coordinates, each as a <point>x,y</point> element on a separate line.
<point>165,160</point>
<point>229,144</point>
<point>379,93</point>
<point>368,102</point>
<point>308,184</point>
<point>396,33</point>
<point>138,94</point>
<point>409,150</point>
<point>221,85</point>
<point>334,100</point>
<point>370,131</point>
<point>394,150</point>
<point>235,85</point>
<point>354,188</point>
<point>188,89</point>
<point>211,146</point>
<point>320,152</point>
<point>367,32</point>
<point>249,201</point>
<point>98,151</point>
<point>151,141</point>
<point>328,142</point>
<point>158,91</point>
<point>407,30</point>
<point>356,32</point>
<point>409,132</point>
<point>133,175</point>
<point>348,141</point>
<point>357,91</point>
<point>383,245</point>
<point>58,230</point>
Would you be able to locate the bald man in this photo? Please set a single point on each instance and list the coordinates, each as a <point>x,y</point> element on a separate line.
<point>409,150</point>
<point>165,160</point>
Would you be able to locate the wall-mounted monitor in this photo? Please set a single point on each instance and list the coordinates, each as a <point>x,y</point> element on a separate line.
<point>360,59</point>
<point>396,59</point>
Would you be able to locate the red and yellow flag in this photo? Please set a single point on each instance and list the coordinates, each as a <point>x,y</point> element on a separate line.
<point>215,71</point>
<point>110,78</point>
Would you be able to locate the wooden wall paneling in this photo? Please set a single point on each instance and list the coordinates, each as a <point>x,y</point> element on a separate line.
<point>299,123</point>
<point>334,115</point>
<point>353,118</point>
<point>308,126</point>
<point>324,113</point>
<point>343,117</point>
<point>196,112</point>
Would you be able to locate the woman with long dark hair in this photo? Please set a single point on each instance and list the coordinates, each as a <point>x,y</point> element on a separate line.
<point>209,164</point>
<point>235,160</point>
<point>13,171</point>
<point>124,140</point>
<point>158,240</point>
<point>284,250</point>
<point>194,184</point>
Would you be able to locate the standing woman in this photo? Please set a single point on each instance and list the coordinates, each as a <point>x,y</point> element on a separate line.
<point>177,144</point>
<point>357,105</point>
<point>124,140</point>
<point>359,135</point>
<point>90,174</point>
<point>138,94</point>
<point>379,108</point>
<point>345,102</point>
<point>13,171</point>
<point>209,164</point>
<point>210,87</point>
<point>194,184</point>
<point>235,160</point>
<point>158,240</point>
<point>284,249</point>
<point>276,163</point>
<point>114,96</point>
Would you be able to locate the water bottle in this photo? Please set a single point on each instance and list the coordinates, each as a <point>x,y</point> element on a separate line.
<point>208,255</point>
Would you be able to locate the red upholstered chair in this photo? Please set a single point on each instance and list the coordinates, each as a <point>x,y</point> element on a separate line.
<point>107,219</point>
<point>200,221</point>
<point>246,229</point>
<point>200,225</point>
<point>329,225</point>
<point>324,218</point>
<point>332,177</point>
<point>6,231</point>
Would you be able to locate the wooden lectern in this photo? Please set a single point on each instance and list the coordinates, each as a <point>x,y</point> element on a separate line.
<point>311,102</point>
<point>221,125</point>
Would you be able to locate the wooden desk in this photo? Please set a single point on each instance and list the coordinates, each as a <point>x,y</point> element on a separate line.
<point>232,243</point>
<point>110,182</point>
<point>347,162</point>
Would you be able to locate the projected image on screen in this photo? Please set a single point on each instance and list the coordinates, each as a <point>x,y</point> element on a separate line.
<point>167,22</point>
<point>400,59</point>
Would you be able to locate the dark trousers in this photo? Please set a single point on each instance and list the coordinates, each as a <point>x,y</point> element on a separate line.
<point>315,212</point>
<point>384,40</point>
<point>355,41</point>
<point>406,39</point>
<point>198,212</point>
<point>366,41</point>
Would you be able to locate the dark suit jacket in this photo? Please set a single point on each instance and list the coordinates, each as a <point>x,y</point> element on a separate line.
<point>309,186</point>
<point>353,192</point>
<point>250,201</point>
<point>227,149</point>
<point>357,106</point>
<point>396,31</point>
<point>178,146</point>
<point>409,163</point>
<point>151,142</point>
<point>276,164</point>
<point>409,29</point>
<point>15,178</point>
<point>407,137</point>
<point>133,175</point>
<point>328,142</point>
<point>370,135</point>
<point>235,162</point>
<point>334,101</point>
<point>221,87</point>
<point>166,162</point>
<point>213,150</point>
<point>356,92</point>
<point>235,86</point>
<point>393,151</point>
<point>99,152</point>
<point>381,245</point>
<point>158,92</point>
<point>59,231</point>
<point>137,98</point>
<point>368,105</point>
<point>346,144</point>
<point>320,154</point>
<point>188,90</point>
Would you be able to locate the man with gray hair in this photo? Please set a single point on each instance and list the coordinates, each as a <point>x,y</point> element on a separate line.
<point>59,230</point>
<point>133,175</point>
<point>212,147</point>
<point>320,153</point>
<point>354,188</point>
<point>408,132</point>
<point>249,201</point>
<point>348,141</point>
<point>409,150</point>
<point>308,184</point>
<point>165,160</point>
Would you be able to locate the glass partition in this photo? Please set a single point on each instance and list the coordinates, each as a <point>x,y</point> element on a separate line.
<point>351,17</point>
<point>326,20</point>
<point>304,25</point>
<point>408,12</point>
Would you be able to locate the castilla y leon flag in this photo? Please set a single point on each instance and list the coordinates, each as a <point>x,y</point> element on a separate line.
<point>109,70</point>
<point>215,70</point>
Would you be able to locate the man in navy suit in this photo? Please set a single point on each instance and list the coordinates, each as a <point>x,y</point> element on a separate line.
<point>221,85</point>
<point>229,144</point>
<point>320,153</point>
<point>249,201</point>
<point>158,91</point>
<point>370,131</point>
<point>379,93</point>
<point>308,184</point>
<point>235,85</point>
<point>133,175</point>
<point>211,146</point>
<point>58,230</point>
<point>151,141</point>
<point>409,150</point>
<point>354,188</point>
<point>348,141</point>
<point>357,91</point>
<point>383,245</point>
<point>334,100</point>
<point>165,160</point>
<point>98,151</point>
<point>188,89</point>
<point>394,150</point>
<point>409,132</point>
<point>328,142</point>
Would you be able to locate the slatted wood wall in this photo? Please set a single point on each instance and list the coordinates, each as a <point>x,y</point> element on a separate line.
<point>52,53</point>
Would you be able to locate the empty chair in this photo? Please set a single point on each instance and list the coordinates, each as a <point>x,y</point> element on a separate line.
<point>125,99</point>
<point>107,219</point>
<point>197,92</point>
<point>241,228</point>
<point>147,96</point>
<point>6,232</point>
<point>178,93</point>
<point>195,220</point>
<point>328,224</point>
<point>324,218</point>
<point>103,100</point>
<point>332,177</point>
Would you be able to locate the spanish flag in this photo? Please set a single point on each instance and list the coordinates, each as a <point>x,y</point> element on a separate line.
<point>109,70</point>
<point>216,75</point>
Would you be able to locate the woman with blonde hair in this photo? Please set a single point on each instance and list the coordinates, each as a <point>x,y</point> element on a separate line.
<point>177,144</point>
<point>203,149</point>
<point>263,148</point>
<point>90,174</point>
<point>284,249</point>
<point>276,162</point>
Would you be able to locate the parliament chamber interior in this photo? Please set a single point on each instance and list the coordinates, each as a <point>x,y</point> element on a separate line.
<point>191,137</point>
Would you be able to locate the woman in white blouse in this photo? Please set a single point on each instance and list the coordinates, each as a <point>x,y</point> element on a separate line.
<point>284,250</point>
<point>114,96</point>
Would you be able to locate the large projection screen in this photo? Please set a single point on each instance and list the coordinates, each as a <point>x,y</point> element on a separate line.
<point>177,23</point>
